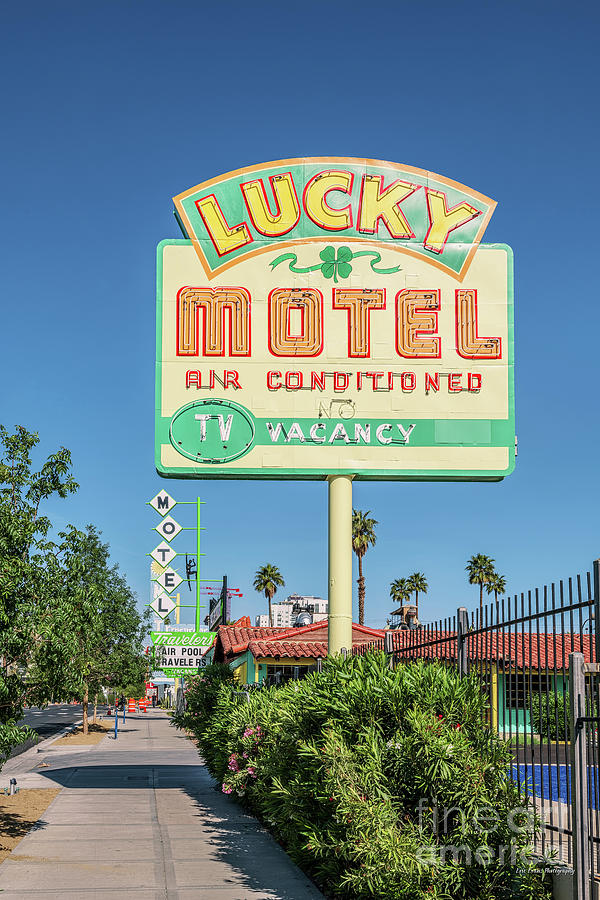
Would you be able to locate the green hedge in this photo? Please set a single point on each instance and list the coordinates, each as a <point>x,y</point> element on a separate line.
<point>369,776</point>
<point>550,715</point>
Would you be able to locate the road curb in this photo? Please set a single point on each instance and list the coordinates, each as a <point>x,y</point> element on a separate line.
<point>15,762</point>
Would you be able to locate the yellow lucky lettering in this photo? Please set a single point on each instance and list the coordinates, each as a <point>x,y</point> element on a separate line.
<point>443,220</point>
<point>315,200</point>
<point>286,202</point>
<point>223,237</point>
<point>378,203</point>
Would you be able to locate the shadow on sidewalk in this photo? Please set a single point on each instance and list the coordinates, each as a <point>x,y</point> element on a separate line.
<point>228,835</point>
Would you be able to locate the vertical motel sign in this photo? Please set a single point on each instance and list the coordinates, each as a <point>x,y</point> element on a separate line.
<point>330,316</point>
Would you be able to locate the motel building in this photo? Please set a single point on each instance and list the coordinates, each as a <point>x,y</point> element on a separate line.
<point>517,670</point>
<point>256,653</point>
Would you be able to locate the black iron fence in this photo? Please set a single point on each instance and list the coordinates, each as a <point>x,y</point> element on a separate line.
<point>536,655</point>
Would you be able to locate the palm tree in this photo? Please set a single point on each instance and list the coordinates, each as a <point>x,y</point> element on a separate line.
<point>399,590</point>
<point>417,583</point>
<point>363,536</point>
<point>497,585</point>
<point>480,569</point>
<point>267,579</point>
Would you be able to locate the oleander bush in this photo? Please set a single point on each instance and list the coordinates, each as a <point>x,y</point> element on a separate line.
<point>201,697</point>
<point>379,782</point>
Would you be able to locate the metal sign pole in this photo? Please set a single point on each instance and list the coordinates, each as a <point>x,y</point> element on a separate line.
<point>177,614</point>
<point>198,503</point>
<point>340,563</point>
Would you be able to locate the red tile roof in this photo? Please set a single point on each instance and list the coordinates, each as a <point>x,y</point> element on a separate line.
<point>306,642</point>
<point>523,651</point>
<point>236,639</point>
<point>288,648</point>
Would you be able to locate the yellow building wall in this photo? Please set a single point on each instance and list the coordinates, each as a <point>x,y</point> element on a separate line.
<point>240,674</point>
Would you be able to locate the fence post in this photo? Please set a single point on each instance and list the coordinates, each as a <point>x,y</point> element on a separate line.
<point>595,618</point>
<point>462,627</point>
<point>344,652</point>
<point>319,664</point>
<point>579,785</point>
<point>388,646</point>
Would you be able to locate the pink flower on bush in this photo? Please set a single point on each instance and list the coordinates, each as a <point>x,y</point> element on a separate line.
<point>226,789</point>
<point>249,731</point>
<point>233,763</point>
<point>251,770</point>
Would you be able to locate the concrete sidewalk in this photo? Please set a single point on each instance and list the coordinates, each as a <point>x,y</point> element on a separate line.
<point>141,815</point>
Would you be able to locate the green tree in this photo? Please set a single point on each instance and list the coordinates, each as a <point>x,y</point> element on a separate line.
<point>496,585</point>
<point>363,537</point>
<point>26,567</point>
<point>480,569</point>
<point>418,583</point>
<point>400,590</point>
<point>266,581</point>
<point>95,635</point>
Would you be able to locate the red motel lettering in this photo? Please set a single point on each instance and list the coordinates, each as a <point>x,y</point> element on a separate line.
<point>416,322</point>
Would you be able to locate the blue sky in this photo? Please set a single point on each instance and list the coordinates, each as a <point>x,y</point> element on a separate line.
<point>110,109</point>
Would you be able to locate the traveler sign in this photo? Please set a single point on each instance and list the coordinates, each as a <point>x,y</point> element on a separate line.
<point>330,316</point>
<point>181,652</point>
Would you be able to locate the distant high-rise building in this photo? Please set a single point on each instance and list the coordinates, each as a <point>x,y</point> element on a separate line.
<point>285,612</point>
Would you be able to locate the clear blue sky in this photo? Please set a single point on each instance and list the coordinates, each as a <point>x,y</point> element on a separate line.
<point>110,109</point>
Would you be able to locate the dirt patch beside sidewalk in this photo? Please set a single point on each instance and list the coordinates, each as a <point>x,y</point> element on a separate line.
<point>19,813</point>
<point>94,736</point>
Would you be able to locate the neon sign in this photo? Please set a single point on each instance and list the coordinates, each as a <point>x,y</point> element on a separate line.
<point>334,315</point>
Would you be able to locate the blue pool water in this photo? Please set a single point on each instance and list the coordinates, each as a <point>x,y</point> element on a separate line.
<point>552,781</point>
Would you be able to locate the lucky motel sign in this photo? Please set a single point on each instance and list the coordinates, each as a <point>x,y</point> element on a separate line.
<point>334,315</point>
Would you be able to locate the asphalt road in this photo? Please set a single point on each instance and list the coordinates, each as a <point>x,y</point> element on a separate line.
<point>48,721</point>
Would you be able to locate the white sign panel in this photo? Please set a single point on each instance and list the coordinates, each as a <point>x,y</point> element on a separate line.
<point>163,605</point>
<point>168,528</point>
<point>163,554</point>
<point>169,580</point>
<point>163,503</point>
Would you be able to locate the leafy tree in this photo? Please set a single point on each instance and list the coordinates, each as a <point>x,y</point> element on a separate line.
<point>26,567</point>
<point>418,583</point>
<point>400,590</point>
<point>363,537</point>
<point>480,569</point>
<point>496,585</point>
<point>267,579</point>
<point>94,633</point>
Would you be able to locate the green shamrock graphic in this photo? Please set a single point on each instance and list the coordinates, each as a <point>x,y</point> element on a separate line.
<point>334,266</point>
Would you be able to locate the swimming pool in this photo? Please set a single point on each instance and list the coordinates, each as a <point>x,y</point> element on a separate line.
<point>552,781</point>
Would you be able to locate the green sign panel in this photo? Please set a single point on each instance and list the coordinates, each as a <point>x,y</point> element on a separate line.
<point>181,652</point>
